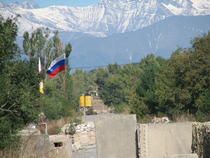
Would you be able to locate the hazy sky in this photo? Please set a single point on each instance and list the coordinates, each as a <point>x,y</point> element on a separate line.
<point>45,3</point>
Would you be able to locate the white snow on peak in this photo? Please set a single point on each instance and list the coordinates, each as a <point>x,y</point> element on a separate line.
<point>105,18</point>
<point>189,7</point>
<point>29,5</point>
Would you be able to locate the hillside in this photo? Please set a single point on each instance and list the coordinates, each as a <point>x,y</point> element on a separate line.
<point>161,39</point>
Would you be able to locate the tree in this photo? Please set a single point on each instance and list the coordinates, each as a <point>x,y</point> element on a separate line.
<point>137,106</point>
<point>148,83</point>
<point>19,84</point>
<point>185,81</point>
<point>114,68</point>
<point>203,104</point>
<point>42,43</point>
<point>8,33</point>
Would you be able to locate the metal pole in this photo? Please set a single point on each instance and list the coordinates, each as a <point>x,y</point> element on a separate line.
<point>84,114</point>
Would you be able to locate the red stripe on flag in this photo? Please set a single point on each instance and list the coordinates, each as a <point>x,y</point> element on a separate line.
<point>56,71</point>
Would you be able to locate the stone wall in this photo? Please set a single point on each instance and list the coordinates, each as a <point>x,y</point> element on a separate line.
<point>82,140</point>
<point>84,135</point>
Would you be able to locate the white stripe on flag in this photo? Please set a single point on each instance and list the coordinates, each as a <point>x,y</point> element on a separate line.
<point>62,57</point>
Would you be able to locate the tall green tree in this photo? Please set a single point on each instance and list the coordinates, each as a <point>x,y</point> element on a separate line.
<point>46,45</point>
<point>19,84</point>
<point>148,82</point>
<point>8,33</point>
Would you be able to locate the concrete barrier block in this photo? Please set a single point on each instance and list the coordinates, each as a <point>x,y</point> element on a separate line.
<point>61,147</point>
<point>35,145</point>
<point>182,156</point>
<point>115,136</point>
<point>158,140</point>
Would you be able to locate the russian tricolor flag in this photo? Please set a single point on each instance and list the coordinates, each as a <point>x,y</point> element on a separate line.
<point>57,65</point>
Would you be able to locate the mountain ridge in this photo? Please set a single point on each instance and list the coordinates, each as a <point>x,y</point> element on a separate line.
<point>161,39</point>
<point>120,31</point>
<point>105,18</point>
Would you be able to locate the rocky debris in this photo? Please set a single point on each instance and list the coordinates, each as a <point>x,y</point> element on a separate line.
<point>160,120</point>
<point>84,135</point>
<point>86,127</point>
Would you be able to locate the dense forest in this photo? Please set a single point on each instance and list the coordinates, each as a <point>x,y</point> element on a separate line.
<point>174,87</point>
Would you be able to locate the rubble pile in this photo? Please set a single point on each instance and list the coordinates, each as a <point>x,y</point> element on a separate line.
<point>84,135</point>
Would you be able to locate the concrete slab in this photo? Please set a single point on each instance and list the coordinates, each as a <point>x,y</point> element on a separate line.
<point>34,146</point>
<point>61,146</point>
<point>182,156</point>
<point>158,140</point>
<point>115,136</point>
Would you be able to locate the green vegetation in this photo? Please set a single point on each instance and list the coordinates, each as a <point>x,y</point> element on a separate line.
<point>58,100</point>
<point>174,87</point>
<point>20,100</point>
<point>155,86</point>
<point>19,83</point>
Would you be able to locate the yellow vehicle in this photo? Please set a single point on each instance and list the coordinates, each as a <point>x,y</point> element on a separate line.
<point>85,101</point>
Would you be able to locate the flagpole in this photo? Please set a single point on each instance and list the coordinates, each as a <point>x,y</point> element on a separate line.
<point>41,90</point>
<point>41,84</point>
<point>65,76</point>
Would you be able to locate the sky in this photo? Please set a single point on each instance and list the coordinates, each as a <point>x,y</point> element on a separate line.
<point>46,3</point>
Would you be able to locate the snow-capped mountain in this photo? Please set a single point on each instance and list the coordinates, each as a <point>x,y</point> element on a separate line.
<point>161,38</point>
<point>105,18</point>
<point>27,5</point>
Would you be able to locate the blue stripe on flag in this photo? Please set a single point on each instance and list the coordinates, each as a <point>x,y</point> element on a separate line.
<point>58,64</point>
